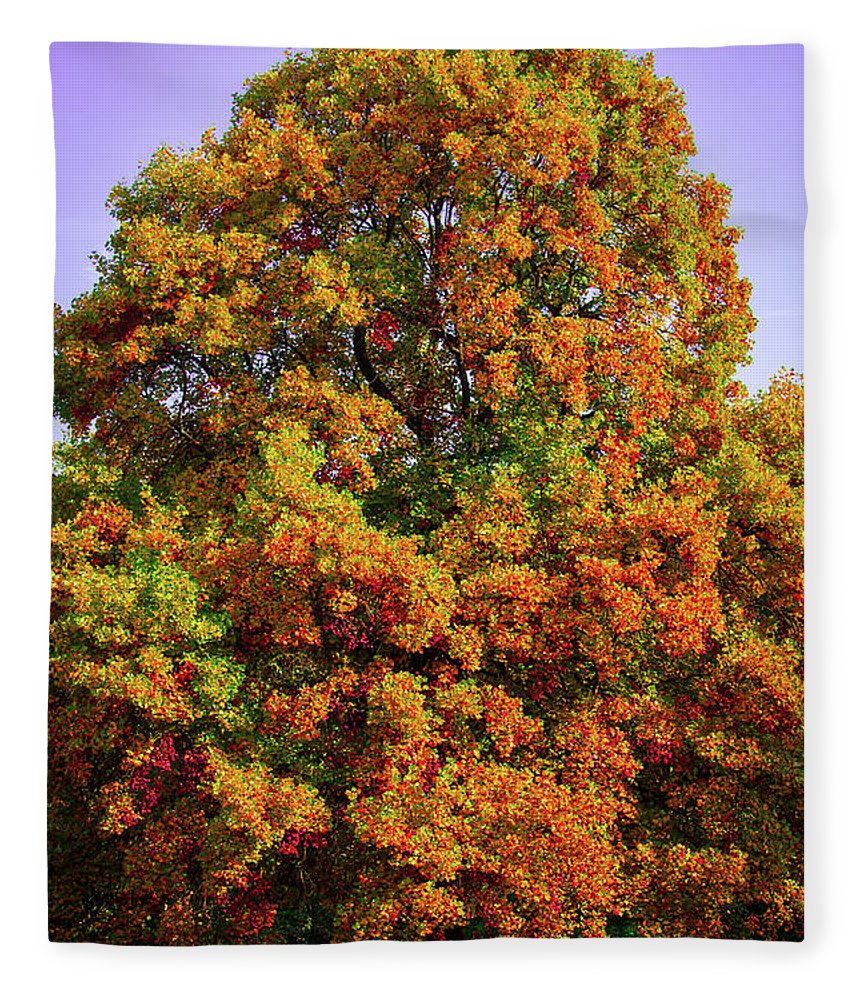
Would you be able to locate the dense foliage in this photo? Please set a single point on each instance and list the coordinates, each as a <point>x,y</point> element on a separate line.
<point>421,570</point>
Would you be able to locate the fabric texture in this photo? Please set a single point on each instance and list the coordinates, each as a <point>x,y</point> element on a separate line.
<point>424,568</point>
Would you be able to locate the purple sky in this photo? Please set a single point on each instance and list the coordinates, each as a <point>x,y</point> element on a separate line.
<point>745,105</point>
<point>115,103</point>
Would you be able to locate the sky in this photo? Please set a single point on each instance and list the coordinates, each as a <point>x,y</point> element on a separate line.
<point>116,103</point>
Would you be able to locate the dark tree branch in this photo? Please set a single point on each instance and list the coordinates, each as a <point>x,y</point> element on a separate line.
<point>454,346</point>
<point>377,385</point>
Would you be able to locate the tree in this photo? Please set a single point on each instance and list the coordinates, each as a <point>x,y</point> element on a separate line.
<point>421,570</point>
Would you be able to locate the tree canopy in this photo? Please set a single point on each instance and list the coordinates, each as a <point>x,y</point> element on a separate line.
<point>421,569</point>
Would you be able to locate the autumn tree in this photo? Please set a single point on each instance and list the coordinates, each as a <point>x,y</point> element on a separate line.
<point>421,570</point>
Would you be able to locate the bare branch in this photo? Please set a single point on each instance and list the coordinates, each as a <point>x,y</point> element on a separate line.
<point>378,386</point>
